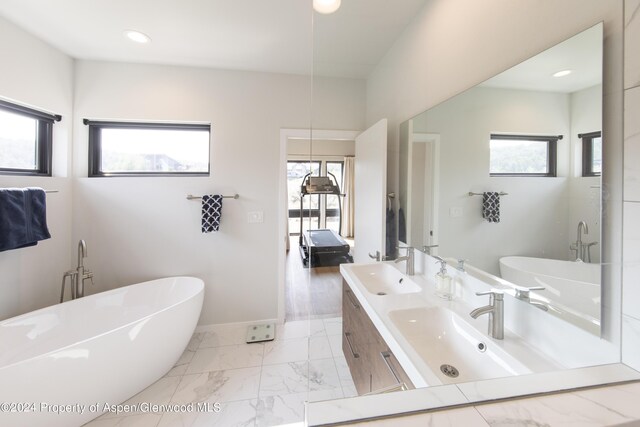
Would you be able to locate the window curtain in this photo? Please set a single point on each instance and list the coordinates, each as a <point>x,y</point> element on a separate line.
<point>348,199</point>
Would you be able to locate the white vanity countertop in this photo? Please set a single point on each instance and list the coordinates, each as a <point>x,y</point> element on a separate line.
<point>547,375</point>
<point>379,307</point>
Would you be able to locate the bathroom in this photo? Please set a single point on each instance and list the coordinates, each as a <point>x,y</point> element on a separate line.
<point>144,228</point>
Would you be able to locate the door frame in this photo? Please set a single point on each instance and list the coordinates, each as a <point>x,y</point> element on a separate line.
<point>433,139</point>
<point>283,208</point>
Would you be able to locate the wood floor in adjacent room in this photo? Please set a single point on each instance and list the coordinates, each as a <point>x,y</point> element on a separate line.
<point>311,293</point>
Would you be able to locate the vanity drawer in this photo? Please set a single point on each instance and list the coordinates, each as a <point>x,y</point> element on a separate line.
<point>373,366</point>
<point>387,374</point>
<point>354,352</point>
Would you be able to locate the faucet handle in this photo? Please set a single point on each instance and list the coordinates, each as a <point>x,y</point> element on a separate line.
<point>427,248</point>
<point>461,262</point>
<point>88,275</point>
<point>523,293</point>
<point>492,291</point>
<point>495,293</point>
<point>375,256</point>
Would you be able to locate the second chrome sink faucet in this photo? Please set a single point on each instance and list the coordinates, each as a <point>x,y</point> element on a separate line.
<point>495,310</point>
<point>410,258</point>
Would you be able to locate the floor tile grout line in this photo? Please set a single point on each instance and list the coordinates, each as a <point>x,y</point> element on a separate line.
<point>259,384</point>
<point>179,382</point>
<point>307,362</point>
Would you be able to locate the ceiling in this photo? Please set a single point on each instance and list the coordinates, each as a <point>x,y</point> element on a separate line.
<point>581,53</point>
<point>256,35</point>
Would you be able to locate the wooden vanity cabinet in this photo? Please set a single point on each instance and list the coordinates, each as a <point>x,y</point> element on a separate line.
<point>373,366</point>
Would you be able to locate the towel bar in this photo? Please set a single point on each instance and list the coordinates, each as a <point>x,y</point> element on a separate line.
<point>51,191</point>
<point>502,193</point>
<point>192,197</point>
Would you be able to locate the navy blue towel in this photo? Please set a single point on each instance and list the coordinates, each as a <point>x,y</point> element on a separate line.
<point>402,226</point>
<point>391,238</point>
<point>23,217</point>
<point>211,212</point>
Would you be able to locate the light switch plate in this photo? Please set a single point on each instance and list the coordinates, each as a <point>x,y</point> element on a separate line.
<point>255,217</point>
<point>455,212</point>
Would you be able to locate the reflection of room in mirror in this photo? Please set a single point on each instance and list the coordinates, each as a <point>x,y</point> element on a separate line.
<point>553,212</point>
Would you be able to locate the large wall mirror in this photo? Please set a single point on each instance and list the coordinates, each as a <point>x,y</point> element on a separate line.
<point>506,176</point>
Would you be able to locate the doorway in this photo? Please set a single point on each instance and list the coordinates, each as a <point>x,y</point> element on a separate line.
<point>310,293</point>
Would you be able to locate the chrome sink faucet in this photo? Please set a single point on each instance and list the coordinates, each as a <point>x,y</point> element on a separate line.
<point>495,310</point>
<point>410,258</point>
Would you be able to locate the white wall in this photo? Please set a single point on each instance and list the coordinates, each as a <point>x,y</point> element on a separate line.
<point>584,192</point>
<point>453,45</point>
<point>535,214</point>
<point>142,228</point>
<point>36,74</point>
<point>631,305</point>
<point>301,148</point>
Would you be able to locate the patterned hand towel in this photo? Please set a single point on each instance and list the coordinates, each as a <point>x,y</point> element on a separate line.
<point>211,212</point>
<point>491,206</point>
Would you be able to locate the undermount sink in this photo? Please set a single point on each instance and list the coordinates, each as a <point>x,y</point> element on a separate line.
<point>384,279</point>
<point>454,350</point>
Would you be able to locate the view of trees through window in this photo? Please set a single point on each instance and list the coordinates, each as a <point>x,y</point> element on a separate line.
<point>154,150</point>
<point>18,141</point>
<point>596,155</point>
<point>519,156</point>
<point>591,153</point>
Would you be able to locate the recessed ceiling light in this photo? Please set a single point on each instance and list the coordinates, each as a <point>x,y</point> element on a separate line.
<point>137,36</point>
<point>562,73</point>
<point>326,6</point>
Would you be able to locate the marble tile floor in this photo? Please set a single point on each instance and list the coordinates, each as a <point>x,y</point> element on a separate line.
<point>261,384</point>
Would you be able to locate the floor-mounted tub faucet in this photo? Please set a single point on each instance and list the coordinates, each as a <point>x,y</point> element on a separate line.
<point>83,273</point>
<point>579,246</point>
<point>495,310</point>
<point>77,276</point>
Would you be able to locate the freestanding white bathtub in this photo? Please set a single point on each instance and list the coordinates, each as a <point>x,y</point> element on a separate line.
<point>103,348</point>
<point>570,286</point>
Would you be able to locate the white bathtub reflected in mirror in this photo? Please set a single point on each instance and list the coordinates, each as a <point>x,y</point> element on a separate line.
<point>571,288</point>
